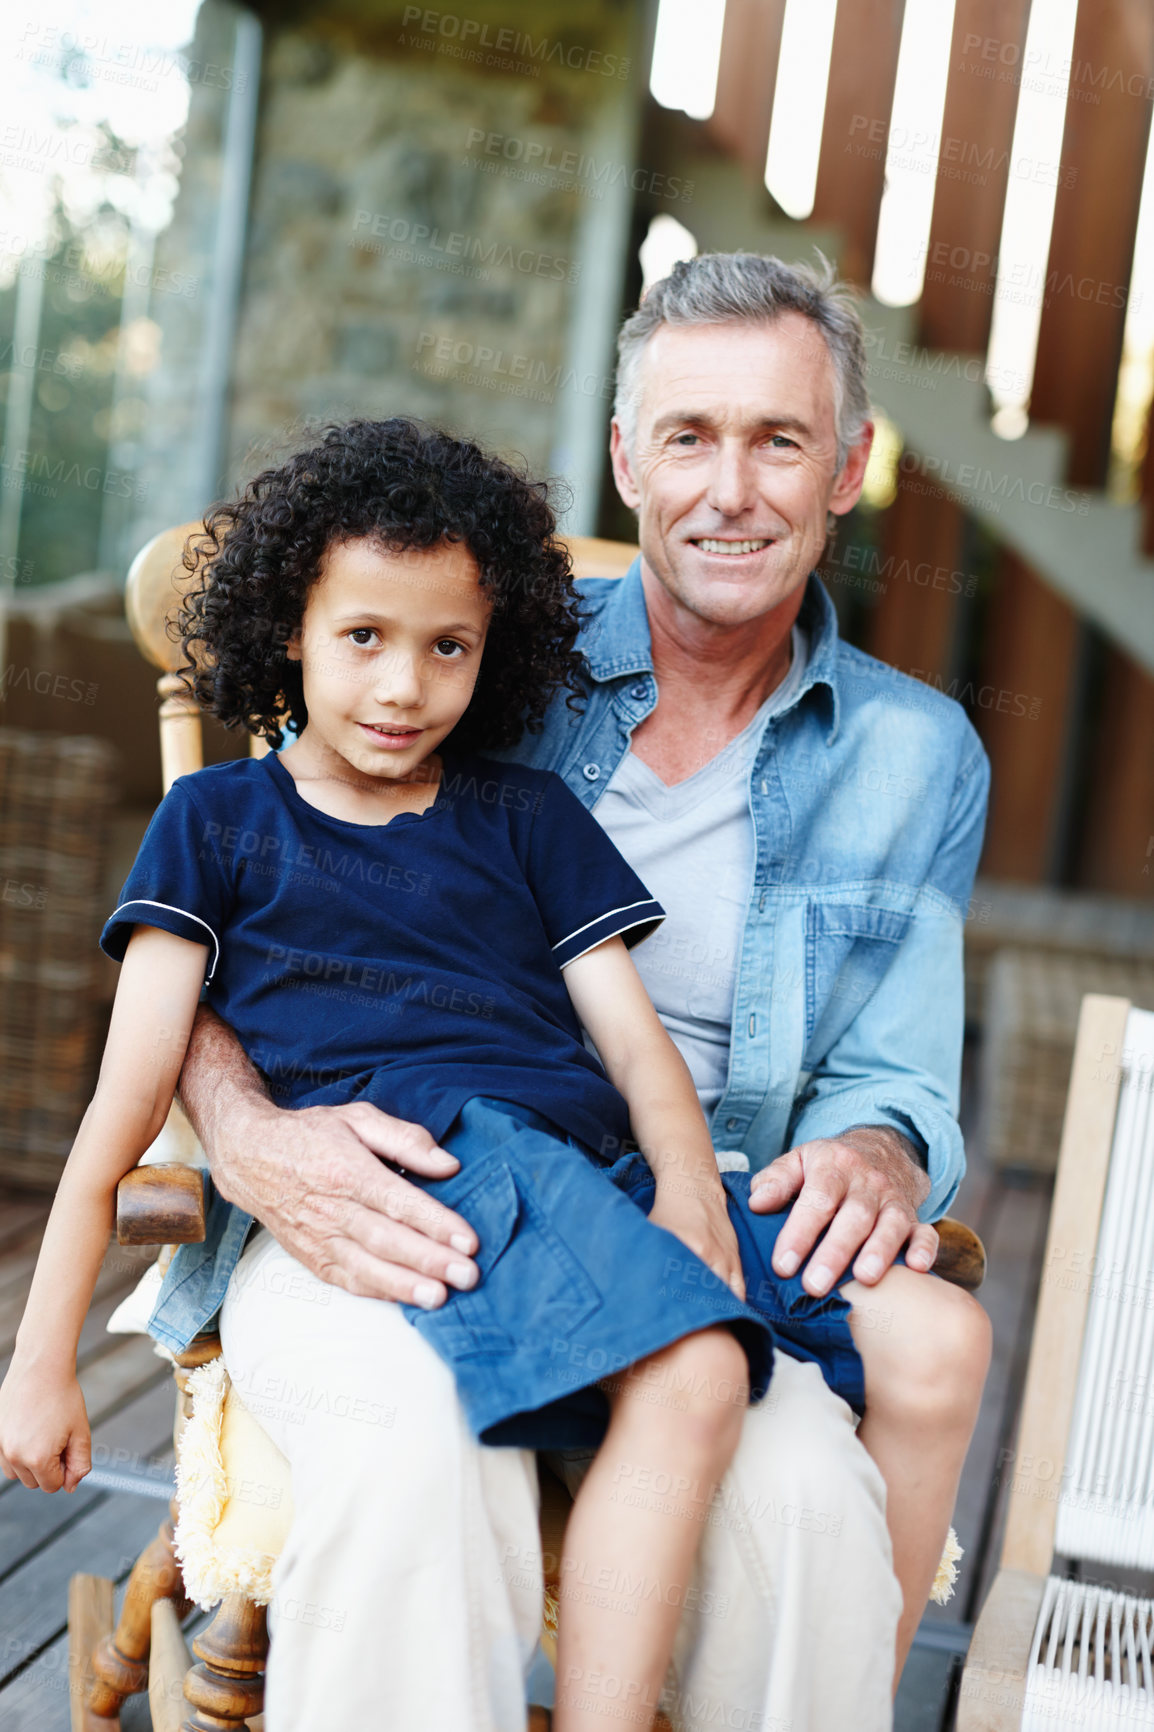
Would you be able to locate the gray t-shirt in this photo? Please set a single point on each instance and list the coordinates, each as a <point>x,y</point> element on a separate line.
<point>692,845</point>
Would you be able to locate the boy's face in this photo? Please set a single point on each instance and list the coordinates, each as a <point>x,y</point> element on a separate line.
<point>390,648</point>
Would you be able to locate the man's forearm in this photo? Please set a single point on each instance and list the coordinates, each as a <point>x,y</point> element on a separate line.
<point>218,1087</point>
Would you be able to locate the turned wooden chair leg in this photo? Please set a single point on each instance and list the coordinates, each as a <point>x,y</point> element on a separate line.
<point>120,1662</point>
<point>227,1687</point>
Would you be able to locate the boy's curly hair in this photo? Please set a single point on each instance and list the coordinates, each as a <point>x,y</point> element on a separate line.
<point>404,486</point>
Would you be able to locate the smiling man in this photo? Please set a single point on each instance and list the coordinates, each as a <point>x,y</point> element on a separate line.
<point>811,822</point>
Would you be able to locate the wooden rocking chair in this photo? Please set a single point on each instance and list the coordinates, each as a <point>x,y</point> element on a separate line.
<point>164,1205</point>
<point>1051,1647</point>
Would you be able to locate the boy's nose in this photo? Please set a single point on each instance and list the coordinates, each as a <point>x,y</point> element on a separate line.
<point>401,681</point>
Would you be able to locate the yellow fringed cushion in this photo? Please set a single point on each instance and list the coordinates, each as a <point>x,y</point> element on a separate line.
<point>234,1489</point>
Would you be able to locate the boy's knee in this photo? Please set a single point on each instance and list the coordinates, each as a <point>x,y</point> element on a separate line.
<point>699,1384</point>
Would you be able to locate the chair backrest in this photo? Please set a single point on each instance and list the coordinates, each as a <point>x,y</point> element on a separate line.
<point>1083,1471</point>
<point>156,581</point>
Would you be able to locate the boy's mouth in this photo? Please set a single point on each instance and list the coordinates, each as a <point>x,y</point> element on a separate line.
<point>390,736</point>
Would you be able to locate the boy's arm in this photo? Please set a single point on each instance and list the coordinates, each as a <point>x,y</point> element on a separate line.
<point>156,998</point>
<point>664,1111</point>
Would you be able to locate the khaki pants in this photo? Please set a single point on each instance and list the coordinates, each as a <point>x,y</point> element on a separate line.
<point>408,1595</point>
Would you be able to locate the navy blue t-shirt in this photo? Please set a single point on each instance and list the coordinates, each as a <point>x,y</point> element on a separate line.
<point>413,964</point>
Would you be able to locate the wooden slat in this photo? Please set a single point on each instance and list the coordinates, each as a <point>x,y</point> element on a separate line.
<point>1023,716</point>
<point>1118,835</point>
<point>746,77</point>
<point>986,56</point>
<point>1095,216</point>
<point>858,107</point>
<point>912,624</point>
<point>1052,1377</point>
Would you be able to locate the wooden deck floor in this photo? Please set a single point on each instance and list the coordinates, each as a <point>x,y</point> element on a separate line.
<point>44,1540</point>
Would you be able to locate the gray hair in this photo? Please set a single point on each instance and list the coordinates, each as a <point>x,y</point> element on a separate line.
<point>724,288</point>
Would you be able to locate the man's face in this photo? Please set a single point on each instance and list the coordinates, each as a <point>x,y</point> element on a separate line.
<point>734,467</point>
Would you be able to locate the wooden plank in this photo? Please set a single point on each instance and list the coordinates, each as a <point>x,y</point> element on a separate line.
<point>994,1682</point>
<point>94,1336</point>
<point>18,1207</point>
<point>34,1597</point>
<point>858,106</point>
<point>912,625</point>
<point>1051,1380</point>
<point>1095,217</point>
<point>986,56</point>
<point>90,1619</point>
<point>121,1265</point>
<point>746,78</point>
<point>139,1436</point>
<point>1023,716</point>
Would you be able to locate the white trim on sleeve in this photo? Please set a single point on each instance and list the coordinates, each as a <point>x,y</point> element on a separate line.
<point>609,914</point>
<point>149,902</point>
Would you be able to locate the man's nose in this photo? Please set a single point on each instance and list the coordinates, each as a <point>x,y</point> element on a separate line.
<point>732,482</point>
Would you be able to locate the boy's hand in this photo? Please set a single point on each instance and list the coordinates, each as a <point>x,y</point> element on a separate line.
<point>45,1439</point>
<point>698,1215</point>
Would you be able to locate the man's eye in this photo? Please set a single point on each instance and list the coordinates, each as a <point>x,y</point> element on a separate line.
<point>686,439</point>
<point>782,443</point>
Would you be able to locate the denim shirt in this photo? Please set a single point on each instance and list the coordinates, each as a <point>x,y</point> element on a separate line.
<point>868,794</point>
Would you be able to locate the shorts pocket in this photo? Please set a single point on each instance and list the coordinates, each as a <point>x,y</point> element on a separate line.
<point>532,1287</point>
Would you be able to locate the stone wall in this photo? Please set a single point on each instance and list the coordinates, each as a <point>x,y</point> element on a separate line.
<point>439,213</point>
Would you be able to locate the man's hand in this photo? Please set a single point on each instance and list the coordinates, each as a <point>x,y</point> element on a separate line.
<point>315,1179</point>
<point>865,1186</point>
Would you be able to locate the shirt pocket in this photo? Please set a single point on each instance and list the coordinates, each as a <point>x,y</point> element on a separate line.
<point>848,948</point>
<point>530,1283</point>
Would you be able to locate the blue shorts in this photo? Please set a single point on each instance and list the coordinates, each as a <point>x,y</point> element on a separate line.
<point>576,1284</point>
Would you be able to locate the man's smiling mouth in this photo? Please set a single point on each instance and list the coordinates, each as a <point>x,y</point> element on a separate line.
<point>709,544</point>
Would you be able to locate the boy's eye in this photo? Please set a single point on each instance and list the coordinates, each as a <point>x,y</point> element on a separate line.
<point>448,646</point>
<point>361,634</point>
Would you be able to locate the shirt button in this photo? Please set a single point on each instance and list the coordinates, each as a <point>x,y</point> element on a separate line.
<point>732,1124</point>
<point>592,772</point>
<point>639,692</point>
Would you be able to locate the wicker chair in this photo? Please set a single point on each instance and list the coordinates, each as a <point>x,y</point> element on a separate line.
<point>164,1204</point>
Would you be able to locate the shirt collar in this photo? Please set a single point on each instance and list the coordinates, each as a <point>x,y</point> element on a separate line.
<point>618,641</point>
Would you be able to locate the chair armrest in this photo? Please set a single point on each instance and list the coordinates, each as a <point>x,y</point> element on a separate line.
<point>961,1257</point>
<point>161,1205</point>
<point>993,1689</point>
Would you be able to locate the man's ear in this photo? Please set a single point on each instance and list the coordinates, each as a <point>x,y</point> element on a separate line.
<point>848,484</point>
<point>623,469</point>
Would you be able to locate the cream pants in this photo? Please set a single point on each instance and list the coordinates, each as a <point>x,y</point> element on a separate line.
<point>408,1595</point>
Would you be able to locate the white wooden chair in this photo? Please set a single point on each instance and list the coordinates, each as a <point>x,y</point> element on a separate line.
<point>1058,1645</point>
<point>228,1544</point>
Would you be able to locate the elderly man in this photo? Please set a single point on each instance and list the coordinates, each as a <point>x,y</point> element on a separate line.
<point>811,821</point>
